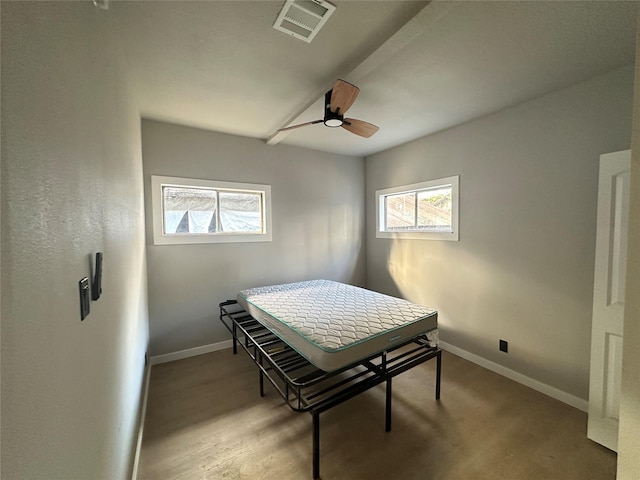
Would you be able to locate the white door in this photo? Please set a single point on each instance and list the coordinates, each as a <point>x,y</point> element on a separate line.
<point>608,298</point>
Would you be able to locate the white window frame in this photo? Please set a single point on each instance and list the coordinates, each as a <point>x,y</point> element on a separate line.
<point>452,235</point>
<point>160,238</point>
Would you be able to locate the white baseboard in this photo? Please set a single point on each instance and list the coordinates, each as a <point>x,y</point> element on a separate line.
<point>143,414</point>
<point>190,352</point>
<point>579,403</point>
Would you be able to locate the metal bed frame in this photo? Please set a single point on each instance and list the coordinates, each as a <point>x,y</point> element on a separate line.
<point>306,388</point>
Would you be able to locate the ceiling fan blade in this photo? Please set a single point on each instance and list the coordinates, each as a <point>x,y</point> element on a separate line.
<point>300,125</point>
<point>343,96</point>
<point>359,127</point>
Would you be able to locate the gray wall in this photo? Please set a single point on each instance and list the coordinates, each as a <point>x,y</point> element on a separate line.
<point>71,186</point>
<point>318,228</point>
<point>523,268</point>
<point>629,437</point>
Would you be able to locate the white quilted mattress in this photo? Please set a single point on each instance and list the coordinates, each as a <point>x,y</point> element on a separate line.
<point>334,325</point>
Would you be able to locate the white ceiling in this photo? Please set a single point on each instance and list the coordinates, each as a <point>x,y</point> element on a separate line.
<point>421,67</point>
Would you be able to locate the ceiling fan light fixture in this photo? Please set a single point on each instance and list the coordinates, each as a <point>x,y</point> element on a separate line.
<point>333,122</point>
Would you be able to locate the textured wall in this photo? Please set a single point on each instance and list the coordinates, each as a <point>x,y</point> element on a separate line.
<point>523,268</point>
<point>71,186</point>
<point>629,439</point>
<point>317,221</point>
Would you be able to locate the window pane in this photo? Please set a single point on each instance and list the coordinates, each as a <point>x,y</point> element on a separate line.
<point>400,211</point>
<point>202,222</point>
<point>188,210</point>
<point>426,210</point>
<point>241,212</point>
<point>434,209</point>
<point>194,211</point>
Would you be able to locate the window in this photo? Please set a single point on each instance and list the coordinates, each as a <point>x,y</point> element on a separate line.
<point>426,210</point>
<point>207,211</point>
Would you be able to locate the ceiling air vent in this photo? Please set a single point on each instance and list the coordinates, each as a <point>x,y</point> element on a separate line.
<point>303,18</point>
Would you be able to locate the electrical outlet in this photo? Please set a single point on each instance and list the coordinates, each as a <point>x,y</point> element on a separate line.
<point>504,346</point>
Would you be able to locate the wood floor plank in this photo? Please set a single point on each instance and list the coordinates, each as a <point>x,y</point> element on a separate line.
<point>205,420</point>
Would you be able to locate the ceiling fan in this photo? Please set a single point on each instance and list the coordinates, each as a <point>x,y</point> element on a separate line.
<point>337,102</point>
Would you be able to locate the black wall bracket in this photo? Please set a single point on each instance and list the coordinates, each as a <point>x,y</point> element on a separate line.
<point>83,286</point>
<point>96,283</point>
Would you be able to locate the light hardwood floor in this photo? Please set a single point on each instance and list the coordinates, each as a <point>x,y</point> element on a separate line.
<point>206,420</point>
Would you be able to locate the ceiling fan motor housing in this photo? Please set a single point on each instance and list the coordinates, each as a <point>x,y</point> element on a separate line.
<point>331,119</point>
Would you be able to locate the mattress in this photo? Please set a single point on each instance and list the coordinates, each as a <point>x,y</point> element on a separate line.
<point>334,325</point>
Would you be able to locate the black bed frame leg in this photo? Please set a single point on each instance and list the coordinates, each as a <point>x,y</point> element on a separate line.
<point>438,373</point>
<point>235,337</point>
<point>388,407</point>
<point>261,384</point>
<point>258,360</point>
<point>316,445</point>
